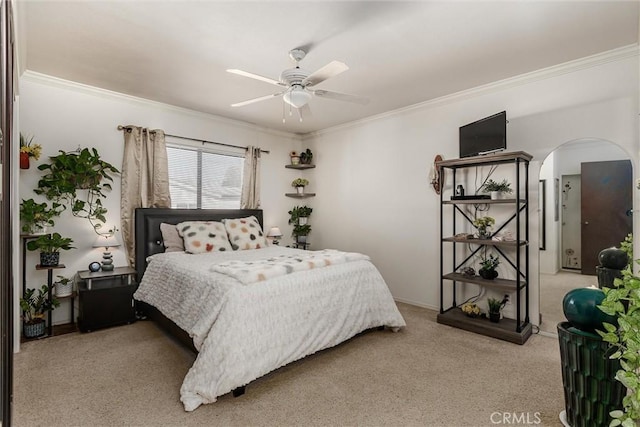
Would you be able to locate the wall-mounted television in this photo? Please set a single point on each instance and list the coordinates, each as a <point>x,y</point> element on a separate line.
<point>485,136</point>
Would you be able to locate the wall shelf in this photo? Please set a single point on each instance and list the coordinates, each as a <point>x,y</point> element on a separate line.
<point>300,166</point>
<point>300,196</point>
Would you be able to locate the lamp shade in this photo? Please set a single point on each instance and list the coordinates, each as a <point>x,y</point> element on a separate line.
<point>297,97</point>
<point>106,241</point>
<point>274,232</point>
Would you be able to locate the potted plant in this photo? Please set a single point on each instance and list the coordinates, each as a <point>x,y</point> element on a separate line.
<point>470,309</point>
<point>300,183</point>
<point>67,173</point>
<point>306,157</point>
<point>295,158</point>
<point>299,215</point>
<point>300,233</point>
<point>495,307</point>
<point>27,150</point>
<point>488,267</point>
<point>623,302</point>
<point>50,246</point>
<point>483,224</point>
<point>63,286</point>
<point>497,189</point>
<point>34,306</point>
<point>35,217</point>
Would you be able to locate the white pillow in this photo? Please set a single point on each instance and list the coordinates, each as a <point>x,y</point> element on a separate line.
<point>245,233</point>
<point>203,236</point>
<point>170,238</point>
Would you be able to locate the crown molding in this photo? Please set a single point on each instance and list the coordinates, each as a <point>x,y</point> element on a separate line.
<point>522,79</point>
<point>48,80</point>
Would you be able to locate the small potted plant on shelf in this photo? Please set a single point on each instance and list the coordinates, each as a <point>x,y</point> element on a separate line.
<point>295,158</point>
<point>299,215</point>
<point>36,217</point>
<point>27,150</point>
<point>495,307</point>
<point>483,224</point>
<point>497,189</point>
<point>471,309</point>
<point>300,183</point>
<point>300,233</point>
<point>50,246</point>
<point>488,267</point>
<point>34,306</point>
<point>63,286</point>
<point>306,157</point>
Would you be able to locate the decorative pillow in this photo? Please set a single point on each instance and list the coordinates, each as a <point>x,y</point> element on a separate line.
<point>170,238</point>
<point>245,233</point>
<point>203,236</point>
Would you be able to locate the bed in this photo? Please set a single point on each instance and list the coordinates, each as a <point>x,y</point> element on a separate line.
<point>249,312</point>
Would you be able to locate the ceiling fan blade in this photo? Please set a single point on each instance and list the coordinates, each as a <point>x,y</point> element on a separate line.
<point>256,77</point>
<point>331,69</point>
<point>341,96</point>
<point>251,101</point>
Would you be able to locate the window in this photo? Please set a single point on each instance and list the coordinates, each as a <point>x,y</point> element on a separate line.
<point>204,179</point>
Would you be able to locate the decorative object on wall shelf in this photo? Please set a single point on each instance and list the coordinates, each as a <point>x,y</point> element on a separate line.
<point>107,241</point>
<point>299,184</point>
<point>306,157</point>
<point>436,176</point>
<point>36,217</point>
<point>50,246</point>
<point>495,307</point>
<point>34,305</point>
<point>471,309</point>
<point>488,267</point>
<point>27,150</point>
<point>295,158</point>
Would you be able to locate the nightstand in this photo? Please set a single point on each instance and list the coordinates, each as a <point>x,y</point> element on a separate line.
<point>106,298</point>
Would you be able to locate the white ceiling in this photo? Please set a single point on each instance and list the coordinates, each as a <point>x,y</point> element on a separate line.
<point>399,53</point>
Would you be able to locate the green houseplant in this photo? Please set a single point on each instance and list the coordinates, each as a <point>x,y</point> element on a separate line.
<point>300,183</point>
<point>488,267</point>
<point>50,246</point>
<point>35,217</point>
<point>306,157</point>
<point>623,302</point>
<point>27,150</point>
<point>483,224</point>
<point>495,307</point>
<point>300,232</point>
<point>497,188</point>
<point>68,173</point>
<point>299,215</point>
<point>63,286</point>
<point>34,306</point>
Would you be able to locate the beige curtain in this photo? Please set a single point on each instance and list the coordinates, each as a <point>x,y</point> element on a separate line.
<point>250,197</point>
<point>145,178</point>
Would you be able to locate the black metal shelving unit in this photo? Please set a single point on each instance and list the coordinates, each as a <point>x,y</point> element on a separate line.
<point>516,330</point>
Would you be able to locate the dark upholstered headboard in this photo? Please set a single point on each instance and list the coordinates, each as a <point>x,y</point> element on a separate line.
<point>148,220</point>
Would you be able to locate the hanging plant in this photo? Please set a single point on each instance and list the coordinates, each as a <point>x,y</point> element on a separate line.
<point>67,173</point>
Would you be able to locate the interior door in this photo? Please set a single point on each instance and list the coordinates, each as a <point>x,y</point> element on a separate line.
<point>606,208</point>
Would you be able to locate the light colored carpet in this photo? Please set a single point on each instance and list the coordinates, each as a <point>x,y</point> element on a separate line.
<point>553,288</point>
<point>426,375</point>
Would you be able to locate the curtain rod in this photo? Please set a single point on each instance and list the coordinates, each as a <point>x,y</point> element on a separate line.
<point>120,127</point>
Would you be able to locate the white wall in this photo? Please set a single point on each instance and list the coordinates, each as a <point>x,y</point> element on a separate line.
<point>62,115</point>
<point>372,176</point>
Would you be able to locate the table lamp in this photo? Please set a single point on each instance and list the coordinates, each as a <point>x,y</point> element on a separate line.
<point>106,241</point>
<point>275,233</point>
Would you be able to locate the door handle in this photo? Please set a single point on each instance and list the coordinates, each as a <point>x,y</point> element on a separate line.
<point>586,223</point>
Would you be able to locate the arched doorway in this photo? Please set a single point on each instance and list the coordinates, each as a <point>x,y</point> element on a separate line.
<point>561,256</point>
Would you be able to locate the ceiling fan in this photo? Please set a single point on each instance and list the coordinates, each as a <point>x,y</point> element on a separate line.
<point>298,84</point>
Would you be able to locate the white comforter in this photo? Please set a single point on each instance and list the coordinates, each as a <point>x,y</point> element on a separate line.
<point>243,332</point>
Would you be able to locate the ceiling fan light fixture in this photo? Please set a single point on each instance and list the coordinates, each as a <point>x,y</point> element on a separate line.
<point>297,97</point>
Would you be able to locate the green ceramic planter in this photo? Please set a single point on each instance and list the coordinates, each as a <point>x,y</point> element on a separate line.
<point>588,378</point>
<point>580,307</point>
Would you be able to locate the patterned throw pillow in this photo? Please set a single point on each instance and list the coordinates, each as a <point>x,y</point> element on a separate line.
<point>245,233</point>
<point>203,236</point>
